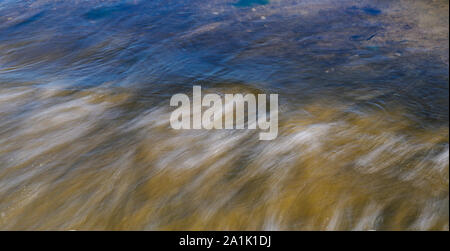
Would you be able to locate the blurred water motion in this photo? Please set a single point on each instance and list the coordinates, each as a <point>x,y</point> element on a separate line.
<point>85,141</point>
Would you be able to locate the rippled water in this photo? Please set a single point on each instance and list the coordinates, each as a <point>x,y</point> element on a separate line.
<point>85,141</point>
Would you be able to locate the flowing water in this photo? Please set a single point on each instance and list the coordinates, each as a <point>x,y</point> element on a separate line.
<point>85,140</point>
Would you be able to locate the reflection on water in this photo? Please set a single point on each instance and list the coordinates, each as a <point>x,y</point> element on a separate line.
<point>85,141</point>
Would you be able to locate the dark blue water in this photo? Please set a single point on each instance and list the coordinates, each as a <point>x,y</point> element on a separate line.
<point>151,44</point>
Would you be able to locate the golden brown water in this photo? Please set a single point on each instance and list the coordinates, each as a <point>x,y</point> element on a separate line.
<point>362,144</point>
<point>76,162</point>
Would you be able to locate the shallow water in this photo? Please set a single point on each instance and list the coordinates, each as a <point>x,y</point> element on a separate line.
<point>85,141</point>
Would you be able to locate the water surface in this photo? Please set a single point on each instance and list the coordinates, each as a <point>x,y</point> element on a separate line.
<point>85,141</point>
